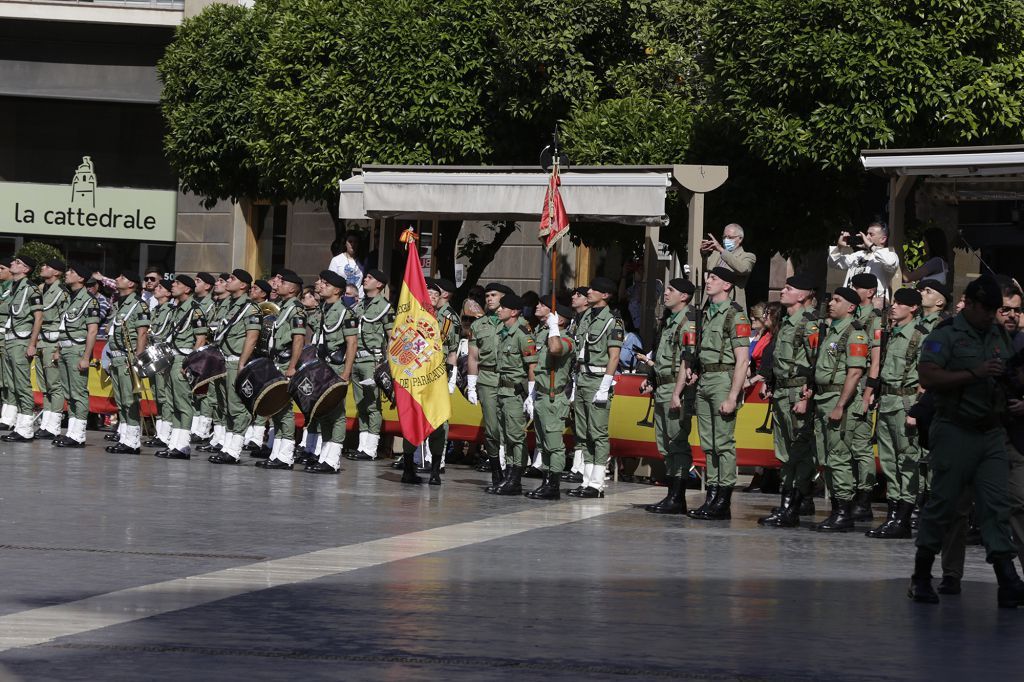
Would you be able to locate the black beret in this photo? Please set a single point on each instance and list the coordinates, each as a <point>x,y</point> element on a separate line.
<point>986,291</point>
<point>207,277</point>
<point>377,275</point>
<point>500,288</point>
<point>224,276</point>
<point>242,275</point>
<point>132,277</point>
<point>263,284</point>
<point>291,276</point>
<point>431,284</point>
<point>864,280</point>
<point>907,296</point>
<point>724,274</point>
<point>603,285</point>
<point>445,285</point>
<point>334,279</point>
<point>166,283</point>
<point>849,294</point>
<point>580,291</point>
<point>57,264</point>
<point>6,262</point>
<point>511,302</point>
<point>78,267</point>
<point>682,285</point>
<point>803,281</point>
<point>28,260</point>
<point>565,311</point>
<point>936,285</point>
<point>186,280</point>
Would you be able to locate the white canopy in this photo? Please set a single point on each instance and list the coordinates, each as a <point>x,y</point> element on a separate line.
<point>946,161</point>
<point>605,195</point>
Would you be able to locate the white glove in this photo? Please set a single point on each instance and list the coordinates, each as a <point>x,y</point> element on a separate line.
<point>602,392</point>
<point>471,389</point>
<point>552,321</point>
<point>528,403</point>
<point>451,384</point>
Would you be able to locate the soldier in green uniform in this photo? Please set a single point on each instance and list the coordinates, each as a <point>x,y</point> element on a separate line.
<point>127,337</point>
<point>516,358</point>
<point>898,449</point>
<point>187,333</point>
<point>79,325</point>
<point>796,343</point>
<point>482,377</point>
<point>859,423</point>
<point>286,343</point>
<point>724,354</point>
<point>935,298</point>
<point>963,363</point>
<point>672,380</point>
<point>552,377</point>
<point>578,303</point>
<point>54,296</point>
<point>215,403</point>
<point>237,339</point>
<point>440,292</point>
<point>841,363</point>
<point>598,341</point>
<point>337,338</point>
<point>202,423</point>
<point>22,323</point>
<point>161,313</point>
<point>8,411</point>
<point>376,318</point>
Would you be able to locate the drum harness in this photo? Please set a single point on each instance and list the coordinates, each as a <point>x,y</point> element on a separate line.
<point>159,333</point>
<point>375,353</point>
<point>180,326</point>
<point>66,317</point>
<point>221,338</point>
<point>115,323</point>
<point>286,312</point>
<point>320,339</point>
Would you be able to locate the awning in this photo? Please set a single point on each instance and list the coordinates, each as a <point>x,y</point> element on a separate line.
<point>946,161</point>
<point>612,195</point>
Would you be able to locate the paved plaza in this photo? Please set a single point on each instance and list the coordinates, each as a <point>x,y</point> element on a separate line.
<point>136,568</point>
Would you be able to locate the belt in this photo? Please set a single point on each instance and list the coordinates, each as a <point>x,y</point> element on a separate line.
<point>596,369</point>
<point>718,367</point>
<point>507,383</point>
<point>116,353</point>
<point>68,343</point>
<point>13,336</point>
<point>791,383</point>
<point>232,358</point>
<point>368,354</point>
<point>552,393</point>
<point>55,335</point>
<point>184,351</point>
<point>830,388</point>
<point>487,368</point>
<point>894,390</point>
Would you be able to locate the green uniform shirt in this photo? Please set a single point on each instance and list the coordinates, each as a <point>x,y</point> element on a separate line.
<point>485,338</point>
<point>290,322</point>
<point>53,296</point>
<point>220,312</point>
<point>516,352</point>
<point>161,315</point>
<point>337,324</point>
<point>678,342</point>
<point>598,331</point>
<point>956,345</point>
<point>187,322</point>
<point>844,347</point>
<point>725,328</point>
<point>21,307</point>
<point>870,319</point>
<point>81,311</point>
<point>451,328</point>
<point>932,320</point>
<point>127,317</point>
<point>795,344</point>
<point>208,306</point>
<point>314,318</point>
<point>376,318</point>
<point>561,365</point>
<point>243,317</point>
<point>899,368</point>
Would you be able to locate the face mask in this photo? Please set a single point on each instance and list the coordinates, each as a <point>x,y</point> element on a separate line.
<point>348,300</point>
<point>729,244</point>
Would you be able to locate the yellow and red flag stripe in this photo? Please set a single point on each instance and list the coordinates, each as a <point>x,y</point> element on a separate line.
<point>416,356</point>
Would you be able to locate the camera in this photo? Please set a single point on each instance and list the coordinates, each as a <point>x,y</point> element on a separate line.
<point>855,241</point>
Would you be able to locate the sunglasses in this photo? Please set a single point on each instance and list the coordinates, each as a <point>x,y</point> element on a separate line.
<point>1006,310</point>
<point>152,279</point>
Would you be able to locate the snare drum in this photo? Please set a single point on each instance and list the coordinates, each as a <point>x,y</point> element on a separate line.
<point>316,389</point>
<point>263,388</point>
<point>203,366</point>
<point>153,360</point>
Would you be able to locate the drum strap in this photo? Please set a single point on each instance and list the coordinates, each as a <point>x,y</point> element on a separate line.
<point>222,334</point>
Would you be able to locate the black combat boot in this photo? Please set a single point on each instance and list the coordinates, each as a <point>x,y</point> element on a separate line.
<point>773,520</point>
<point>675,501</point>
<point>890,520</point>
<point>861,510</point>
<point>497,475</point>
<point>921,589</point>
<point>544,490</point>
<point>840,520</point>
<point>901,524</point>
<point>669,482</point>
<point>409,470</point>
<point>791,517</point>
<point>721,507</point>
<point>807,506</point>
<point>1011,587</point>
<point>513,483</point>
<point>435,471</point>
<point>701,511</point>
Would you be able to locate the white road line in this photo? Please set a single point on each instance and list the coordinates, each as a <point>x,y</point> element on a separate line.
<point>36,626</point>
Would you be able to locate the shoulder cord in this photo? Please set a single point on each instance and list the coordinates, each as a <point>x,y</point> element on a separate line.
<point>374,320</point>
<point>81,311</point>
<point>166,321</point>
<point>21,306</point>
<point>56,299</point>
<point>181,325</point>
<point>589,339</point>
<point>124,318</point>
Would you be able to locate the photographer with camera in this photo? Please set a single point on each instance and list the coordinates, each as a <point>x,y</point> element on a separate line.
<point>866,251</point>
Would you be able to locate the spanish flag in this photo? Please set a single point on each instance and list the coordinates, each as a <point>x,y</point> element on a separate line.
<point>416,356</point>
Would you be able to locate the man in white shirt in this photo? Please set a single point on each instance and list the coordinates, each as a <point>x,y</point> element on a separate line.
<point>870,254</point>
<point>344,261</point>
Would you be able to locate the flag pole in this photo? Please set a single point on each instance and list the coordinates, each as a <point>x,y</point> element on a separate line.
<point>554,262</point>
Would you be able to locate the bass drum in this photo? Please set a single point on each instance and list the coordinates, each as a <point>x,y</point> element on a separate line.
<point>316,389</point>
<point>263,388</point>
<point>202,367</point>
<point>154,360</point>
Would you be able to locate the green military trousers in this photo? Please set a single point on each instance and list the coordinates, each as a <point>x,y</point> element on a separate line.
<point>367,396</point>
<point>961,456</point>
<point>127,401</point>
<point>48,377</point>
<point>237,417</point>
<point>793,435</point>
<point>859,427</point>
<point>672,431</point>
<point>717,433</point>
<point>18,373</point>
<point>179,393</point>
<point>75,381</point>
<point>837,457</point>
<point>899,455</point>
<point>513,427</point>
<point>549,417</point>
<point>487,396</point>
<point>592,420</point>
<point>161,394</point>
<point>284,421</point>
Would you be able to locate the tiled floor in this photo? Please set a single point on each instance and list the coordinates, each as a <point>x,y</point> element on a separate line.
<point>119,567</point>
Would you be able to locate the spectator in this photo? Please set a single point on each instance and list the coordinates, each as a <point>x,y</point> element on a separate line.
<point>756,316</point>
<point>871,254</point>
<point>729,254</point>
<point>631,345</point>
<point>763,348</point>
<point>152,277</point>
<point>936,263</point>
<point>345,260</point>
<point>631,289</point>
